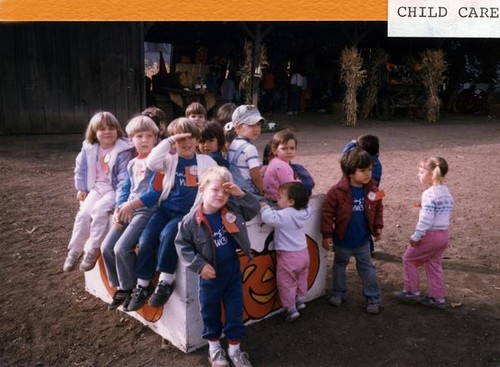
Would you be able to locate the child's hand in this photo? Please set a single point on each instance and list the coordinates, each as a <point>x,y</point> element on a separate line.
<point>377,237</point>
<point>207,272</point>
<point>180,136</point>
<point>263,203</point>
<point>414,243</point>
<point>116,220</point>
<point>125,213</point>
<point>233,189</point>
<point>327,244</point>
<point>81,195</point>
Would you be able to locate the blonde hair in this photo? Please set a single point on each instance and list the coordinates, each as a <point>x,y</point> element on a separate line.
<point>99,121</point>
<point>141,123</point>
<point>438,166</point>
<point>184,125</point>
<point>214,173</point>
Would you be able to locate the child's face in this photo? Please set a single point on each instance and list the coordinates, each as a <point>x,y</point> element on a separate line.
<point>287,151</point>
<point>361,177</point>
<point>283,200</point>
<point>197,117</point>
<point>106,136</point>
<point>163,128</point>
<point>208,146</point>
<point>214,196</point>
<point>250,132</point>
<point>144,142</point>
<point>424,176</point>
<point>186,147</point>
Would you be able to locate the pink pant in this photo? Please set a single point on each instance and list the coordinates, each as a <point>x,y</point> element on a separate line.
<point>291,272</point>
<point>429,253</point>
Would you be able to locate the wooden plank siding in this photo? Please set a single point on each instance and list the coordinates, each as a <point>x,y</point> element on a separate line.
<point>55,76</point>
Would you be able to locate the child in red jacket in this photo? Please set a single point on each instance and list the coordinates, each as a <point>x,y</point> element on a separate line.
<point>352,213</point>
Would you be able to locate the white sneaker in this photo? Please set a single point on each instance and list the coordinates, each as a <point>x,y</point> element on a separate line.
<point>71,260</point>
<point>240,359</point>
<point>335,301</point>
<point>218,358</point>
<point>373,308</point>
<point>89,259</point>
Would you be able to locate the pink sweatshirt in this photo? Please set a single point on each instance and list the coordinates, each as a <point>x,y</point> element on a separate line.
<point>278,172</point>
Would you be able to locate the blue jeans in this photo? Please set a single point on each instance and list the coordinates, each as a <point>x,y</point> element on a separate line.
<point>224,290</point>
<point>156,245</point>
<point>118,250</point>
<point>366,271</point>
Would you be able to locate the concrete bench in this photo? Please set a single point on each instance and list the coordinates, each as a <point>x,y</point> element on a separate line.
<point>179,321</point>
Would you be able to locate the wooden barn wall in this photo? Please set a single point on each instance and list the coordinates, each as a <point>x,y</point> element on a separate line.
<point>55,76</point>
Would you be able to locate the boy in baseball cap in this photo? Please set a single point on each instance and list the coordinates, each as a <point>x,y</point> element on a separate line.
<point>243,156</point>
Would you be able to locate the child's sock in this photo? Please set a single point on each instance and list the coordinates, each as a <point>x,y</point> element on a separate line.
<point>213,345</point>
<point>142,282</point>
<point>166,277</point>
<point>234,347</point>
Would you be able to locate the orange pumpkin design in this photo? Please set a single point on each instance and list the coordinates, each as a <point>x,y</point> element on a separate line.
<point>151,314</point>
<point>260,292</point>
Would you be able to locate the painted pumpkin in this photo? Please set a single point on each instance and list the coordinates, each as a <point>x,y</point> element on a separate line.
<point>151,314</point>
<point>260,292</point>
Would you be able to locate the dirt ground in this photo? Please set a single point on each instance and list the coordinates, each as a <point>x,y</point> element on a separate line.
<point>47,318</point>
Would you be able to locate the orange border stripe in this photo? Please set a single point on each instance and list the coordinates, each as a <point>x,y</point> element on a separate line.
<point>133,10</point>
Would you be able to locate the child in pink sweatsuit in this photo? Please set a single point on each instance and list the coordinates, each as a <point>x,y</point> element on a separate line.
<point>430,239</point>
<point>290,243</point>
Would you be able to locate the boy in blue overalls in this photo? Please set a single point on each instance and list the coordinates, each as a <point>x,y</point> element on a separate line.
<point>206,242</point>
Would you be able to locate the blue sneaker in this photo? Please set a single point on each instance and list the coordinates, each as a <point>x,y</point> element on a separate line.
<point>432,302</point>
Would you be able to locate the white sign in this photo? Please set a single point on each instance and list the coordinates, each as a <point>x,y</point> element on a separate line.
<point>444,18</point>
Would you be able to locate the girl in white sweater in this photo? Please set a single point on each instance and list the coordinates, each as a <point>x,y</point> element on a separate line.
<point>430,239</point>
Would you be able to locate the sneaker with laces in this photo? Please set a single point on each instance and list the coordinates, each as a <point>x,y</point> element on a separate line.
<point>119,298</point>
<point>71,260</point>
<point>432,302</point>
<point>407,295</point>
<point>162,294</point>
<point>139,296</point>
<point>335,301</point>
<point>218,358</point>
<point>90,259</point>
<point>240,359</point>
<point>291,316</point>
<point>126,302</point>
<point>373,308</point>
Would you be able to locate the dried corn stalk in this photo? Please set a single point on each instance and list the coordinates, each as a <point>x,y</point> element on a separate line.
<point>352,75</point>
<point>434,67</point>
<point>245,72</point>
<point>376,64</point>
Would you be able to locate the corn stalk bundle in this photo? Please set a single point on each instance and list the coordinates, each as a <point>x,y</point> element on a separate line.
<point>352,75</point>
<point>263,56</point>
<point>245,71</point>
<point>376,63</point>
<point>434,67</point>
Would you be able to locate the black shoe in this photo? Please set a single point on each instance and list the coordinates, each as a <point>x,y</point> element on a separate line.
<point>126,302</point>
<point>119,298</point>
<point>139,296</point>
<point>162,294</point>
